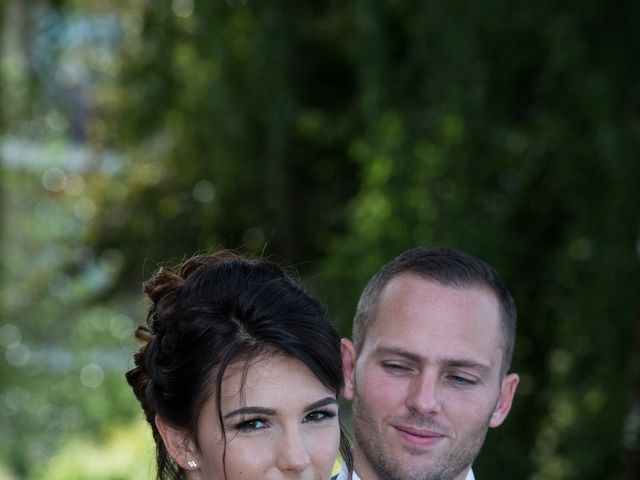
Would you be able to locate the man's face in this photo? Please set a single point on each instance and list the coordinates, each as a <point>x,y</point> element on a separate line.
<point>426,384</point>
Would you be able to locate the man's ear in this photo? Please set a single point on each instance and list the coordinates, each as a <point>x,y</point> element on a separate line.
<point>348,367</point>
<point>507,391</point>
<point>178,444</point>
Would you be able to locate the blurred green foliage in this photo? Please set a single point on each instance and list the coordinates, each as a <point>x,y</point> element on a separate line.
<point>331,136</point>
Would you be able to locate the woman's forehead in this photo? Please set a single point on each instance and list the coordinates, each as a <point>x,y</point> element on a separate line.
<point>270,377</point>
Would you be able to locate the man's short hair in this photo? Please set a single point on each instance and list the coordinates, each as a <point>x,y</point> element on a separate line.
<point>449,268</point>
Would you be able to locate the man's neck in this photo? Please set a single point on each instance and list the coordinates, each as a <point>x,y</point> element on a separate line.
<point>361,466</point>
<point>363,470</point>
<point>468,475</point>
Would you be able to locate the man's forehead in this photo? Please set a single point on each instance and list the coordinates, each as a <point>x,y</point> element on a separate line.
<point>413,311</point>
<point>410,280</point>
<point>414,289</point>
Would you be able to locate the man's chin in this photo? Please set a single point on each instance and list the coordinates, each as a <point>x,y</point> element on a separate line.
<point>411,461</point>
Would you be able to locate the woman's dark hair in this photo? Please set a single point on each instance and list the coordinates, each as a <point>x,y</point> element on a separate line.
<point>214,310</point>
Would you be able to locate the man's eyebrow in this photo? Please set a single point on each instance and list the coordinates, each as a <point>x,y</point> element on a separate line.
<point>272,411</point>
<point>466,363</point>
<point>381,351</point>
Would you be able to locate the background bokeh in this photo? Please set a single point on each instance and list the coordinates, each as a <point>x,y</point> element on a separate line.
<point>330,136</point>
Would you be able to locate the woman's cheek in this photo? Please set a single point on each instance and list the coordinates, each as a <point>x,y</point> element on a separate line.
<point>249,458</point>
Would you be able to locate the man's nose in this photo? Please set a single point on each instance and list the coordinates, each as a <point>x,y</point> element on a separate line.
<point>424,394</point>
<point>293,454</point>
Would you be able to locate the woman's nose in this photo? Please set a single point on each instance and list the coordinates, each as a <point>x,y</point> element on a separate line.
<point>294,454</point>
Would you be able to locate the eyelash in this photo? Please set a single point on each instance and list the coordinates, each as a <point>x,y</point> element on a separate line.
<point>455,379</point>
<point>394,367</point>
<point>250,425</point>
<point>462,381</point>
<point>322,414</point>
<point>316,416</point>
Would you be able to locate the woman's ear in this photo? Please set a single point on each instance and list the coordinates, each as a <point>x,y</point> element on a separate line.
<point>178,444</point>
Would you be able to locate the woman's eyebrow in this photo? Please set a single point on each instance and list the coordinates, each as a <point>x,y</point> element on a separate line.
<point>271,411</point>
<point>250,411</point>
<point>322,403</point>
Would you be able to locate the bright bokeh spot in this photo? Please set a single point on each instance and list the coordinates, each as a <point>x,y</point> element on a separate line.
<point>75,184</point>
<point>182,8</point>
<point>16,398</point>
<point>18,355</point>
<point>10,335</point>
<point>85,209</point>
<point>92,375</point>
<point>204,191</point>
<point>54,180</point>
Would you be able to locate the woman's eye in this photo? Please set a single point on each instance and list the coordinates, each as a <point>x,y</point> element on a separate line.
<point>253,424</point>
<point>319,416</point>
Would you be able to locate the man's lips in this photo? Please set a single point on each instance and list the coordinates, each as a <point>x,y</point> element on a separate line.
<point>419,437</point>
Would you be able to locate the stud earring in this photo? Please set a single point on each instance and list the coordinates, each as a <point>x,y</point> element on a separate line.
<point>192,464</point>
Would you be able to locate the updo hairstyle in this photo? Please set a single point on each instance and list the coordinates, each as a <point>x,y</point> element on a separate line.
<point>214,310</point>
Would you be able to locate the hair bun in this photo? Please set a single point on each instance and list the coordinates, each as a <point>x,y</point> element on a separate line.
<point>165,285</point>
<point>160,283</point>
<point>162,289</point>
<point>201,261</point>
<point>138,377</point>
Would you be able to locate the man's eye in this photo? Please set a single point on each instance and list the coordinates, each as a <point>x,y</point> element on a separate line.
<point>249,425</point>
<point>463,381</point>
<point>319,416</point>
<point>395,367</point>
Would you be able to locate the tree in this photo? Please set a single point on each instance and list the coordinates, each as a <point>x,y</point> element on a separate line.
<point>334,135</point>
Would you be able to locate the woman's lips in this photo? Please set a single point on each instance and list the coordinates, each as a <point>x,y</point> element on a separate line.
<point>417,437</point>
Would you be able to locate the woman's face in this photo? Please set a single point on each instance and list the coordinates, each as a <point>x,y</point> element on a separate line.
<point>280,422</point>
